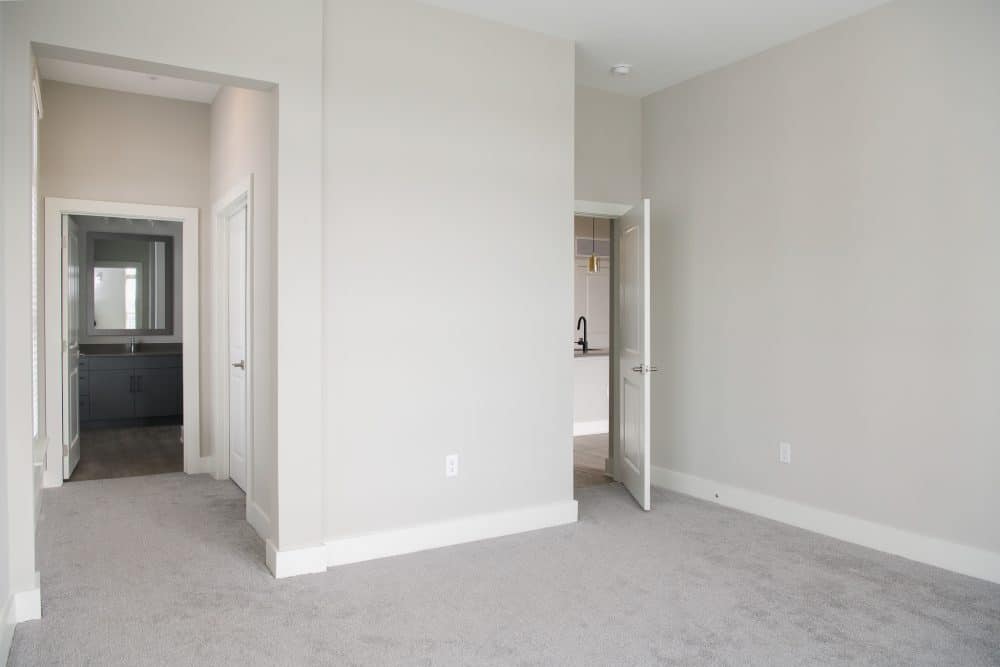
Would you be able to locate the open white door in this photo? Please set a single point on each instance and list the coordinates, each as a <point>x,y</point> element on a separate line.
<point>632,348</point>
<point>236,224</point>
<point>71,345</point>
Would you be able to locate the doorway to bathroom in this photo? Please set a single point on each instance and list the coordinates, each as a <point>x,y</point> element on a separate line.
<point>125,364</point>
<point>592,270</point>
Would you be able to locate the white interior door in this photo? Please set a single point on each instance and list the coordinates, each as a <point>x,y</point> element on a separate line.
<point>71,345</point>
<point>236,225</point>
<point>632,348</point>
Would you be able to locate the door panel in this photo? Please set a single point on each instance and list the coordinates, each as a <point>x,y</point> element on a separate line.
<point>237,228</point>
<point>71,345</point>
<point>633,352</point>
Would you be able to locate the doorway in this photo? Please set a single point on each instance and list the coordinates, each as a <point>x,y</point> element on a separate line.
<point>612,352</point>
<point>115,277</point>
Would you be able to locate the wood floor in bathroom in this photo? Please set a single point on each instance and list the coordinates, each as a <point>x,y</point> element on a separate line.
<point>128,452</point>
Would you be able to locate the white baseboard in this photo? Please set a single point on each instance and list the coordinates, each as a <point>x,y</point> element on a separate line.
<point>28,604</point>
<point>200,465</point>
<point>960,558</point>
<point>293,562</point>
<point>259,519</point>
<point>590,428</point>
<point>344,550</point>
<point>7,623</point>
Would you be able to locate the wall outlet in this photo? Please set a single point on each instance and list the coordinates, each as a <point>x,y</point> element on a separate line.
<point>451,465</point>
<point>784,452</point>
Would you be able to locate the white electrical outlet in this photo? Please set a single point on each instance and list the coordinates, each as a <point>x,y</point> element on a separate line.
<point>784,452</point>
<point>451,465</point>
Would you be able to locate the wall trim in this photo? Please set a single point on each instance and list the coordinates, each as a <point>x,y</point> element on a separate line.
<point>590,428</point>
<point>28,604</point>
<point>7,623</point>
<point>258,519</point>
<point>970,561</point>
<point>293,562</point>
<point>344,550</point>
<point>201,465</point>
<point>600,209</point>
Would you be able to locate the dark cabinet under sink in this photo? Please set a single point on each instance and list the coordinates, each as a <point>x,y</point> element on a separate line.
<point>129,389</point>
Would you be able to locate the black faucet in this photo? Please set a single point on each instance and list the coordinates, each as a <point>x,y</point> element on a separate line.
<point>583,341</point>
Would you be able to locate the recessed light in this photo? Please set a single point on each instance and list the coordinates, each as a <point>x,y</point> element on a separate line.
<point>621,69</point>
<point>153,77</point>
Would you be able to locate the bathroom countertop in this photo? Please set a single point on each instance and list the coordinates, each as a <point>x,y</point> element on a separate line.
<point>121,350</point>
<point>592,352</point>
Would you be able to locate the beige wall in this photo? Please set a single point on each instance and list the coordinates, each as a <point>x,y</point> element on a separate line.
<point>113,146</point>
<point>104,144</point>
<point>825,270</point>
<point>449,199</point>
<point>608,146</point>
<point>244,138</point>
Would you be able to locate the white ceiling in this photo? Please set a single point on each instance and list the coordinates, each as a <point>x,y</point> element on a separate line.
<point>126,81</point>
<point>666,41</point>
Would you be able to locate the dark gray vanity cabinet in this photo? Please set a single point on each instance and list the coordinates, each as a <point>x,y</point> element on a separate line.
<point>157,392</point>
<point>126,388</point>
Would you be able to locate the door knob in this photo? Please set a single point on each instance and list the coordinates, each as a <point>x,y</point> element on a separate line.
<point>643,368</point>
<point>240,364</point>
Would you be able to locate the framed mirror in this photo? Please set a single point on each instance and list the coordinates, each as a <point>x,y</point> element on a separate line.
<point>131,281</point>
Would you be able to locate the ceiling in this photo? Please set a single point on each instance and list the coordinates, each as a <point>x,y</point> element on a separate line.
<point>126,81</point>
<point>666,41</point>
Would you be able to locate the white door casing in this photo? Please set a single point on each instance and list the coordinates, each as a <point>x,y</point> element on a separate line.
<point>236,225</point>
<point>632,347</point>
<point>70,344</point>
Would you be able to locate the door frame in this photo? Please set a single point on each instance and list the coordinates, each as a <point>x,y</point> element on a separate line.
<point>611,212</point>
<point>234,197</point>
<point>55,209</point>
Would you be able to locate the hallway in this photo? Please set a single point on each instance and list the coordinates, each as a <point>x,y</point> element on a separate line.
<point>163,570</point>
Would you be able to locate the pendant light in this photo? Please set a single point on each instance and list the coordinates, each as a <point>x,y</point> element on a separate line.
<point>592,264</point>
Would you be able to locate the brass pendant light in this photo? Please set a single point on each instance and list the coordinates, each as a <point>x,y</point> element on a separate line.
<point>593,266</point>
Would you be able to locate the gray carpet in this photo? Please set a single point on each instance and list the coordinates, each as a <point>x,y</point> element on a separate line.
<point>163,571</point>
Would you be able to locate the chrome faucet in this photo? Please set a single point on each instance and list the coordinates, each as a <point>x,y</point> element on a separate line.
<point>131,344</point>
<point>583,341</point>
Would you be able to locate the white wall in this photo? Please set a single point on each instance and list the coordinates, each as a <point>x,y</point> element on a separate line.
<point>274,44</point>
<point>608,146</point>
<point>18,568</point>
<point>6,592</point>
<point>825,268</point>
<point>244,137</point>
<point>447,281</point>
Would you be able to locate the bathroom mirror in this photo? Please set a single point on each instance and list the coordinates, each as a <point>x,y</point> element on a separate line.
<point>131,284</point>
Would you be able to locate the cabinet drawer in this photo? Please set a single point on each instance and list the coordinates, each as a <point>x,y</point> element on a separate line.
<point>157,361</point>
<point>84,408</point>
<point>84,382</point>
<point>108,363</point>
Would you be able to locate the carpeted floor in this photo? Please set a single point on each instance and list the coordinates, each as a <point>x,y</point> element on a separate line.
<point>162,570</point>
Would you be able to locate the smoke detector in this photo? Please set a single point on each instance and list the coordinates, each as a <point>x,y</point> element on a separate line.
<point>621,69</point>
